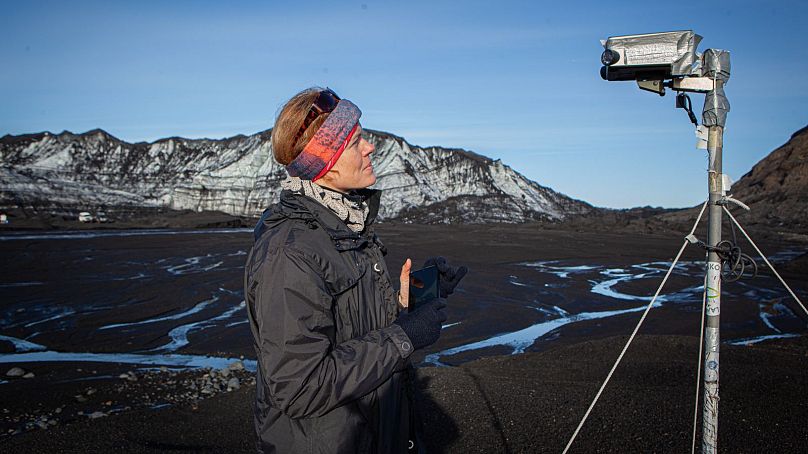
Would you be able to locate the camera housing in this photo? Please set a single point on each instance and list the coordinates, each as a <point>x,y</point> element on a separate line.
<point>651,56</point>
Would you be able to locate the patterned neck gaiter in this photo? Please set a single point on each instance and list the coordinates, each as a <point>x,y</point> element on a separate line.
<point>352,212</point>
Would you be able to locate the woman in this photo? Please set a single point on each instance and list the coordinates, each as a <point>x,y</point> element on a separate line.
<point>332,347</point>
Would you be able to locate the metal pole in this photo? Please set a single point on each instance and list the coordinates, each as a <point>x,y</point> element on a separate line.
<point>713,293</point>
<point>716,106</point>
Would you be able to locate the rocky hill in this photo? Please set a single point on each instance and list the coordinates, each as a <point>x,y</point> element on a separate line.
<point>68,172</point>
<point>777,187</point>
<point>776,190</point>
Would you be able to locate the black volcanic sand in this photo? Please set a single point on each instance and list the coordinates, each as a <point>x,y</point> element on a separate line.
<point>526,403</point>
<point>522,403</point>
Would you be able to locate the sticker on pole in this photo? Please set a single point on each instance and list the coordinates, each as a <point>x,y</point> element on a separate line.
<point>701,137</point>
<point>712,291</point>
<point>713,301</point>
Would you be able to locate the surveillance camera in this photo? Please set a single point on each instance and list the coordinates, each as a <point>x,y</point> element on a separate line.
<point>653,56</point>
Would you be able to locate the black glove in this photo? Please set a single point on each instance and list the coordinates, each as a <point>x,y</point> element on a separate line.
<point>449,275</point>
<point>423,324</point>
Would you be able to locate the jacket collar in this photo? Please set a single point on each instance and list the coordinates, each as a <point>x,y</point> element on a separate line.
<point>298,206</point>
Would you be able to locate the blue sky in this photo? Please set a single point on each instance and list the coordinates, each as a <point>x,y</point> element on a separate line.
<point>516,81</point>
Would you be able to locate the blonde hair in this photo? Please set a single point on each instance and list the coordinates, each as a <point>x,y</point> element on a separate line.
<point>290,118</point>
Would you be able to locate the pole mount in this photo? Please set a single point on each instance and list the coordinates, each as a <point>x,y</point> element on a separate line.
<point>654,86</point>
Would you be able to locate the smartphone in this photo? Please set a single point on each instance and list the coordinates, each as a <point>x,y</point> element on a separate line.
<point>424,286</point>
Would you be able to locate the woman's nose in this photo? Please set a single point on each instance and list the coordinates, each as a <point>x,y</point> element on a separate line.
<point>369,148</point>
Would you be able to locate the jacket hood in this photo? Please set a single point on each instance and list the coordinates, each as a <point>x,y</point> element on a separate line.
<point>297,206</point>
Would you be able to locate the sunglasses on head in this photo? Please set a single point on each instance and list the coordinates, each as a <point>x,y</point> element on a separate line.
<point>326,102</point>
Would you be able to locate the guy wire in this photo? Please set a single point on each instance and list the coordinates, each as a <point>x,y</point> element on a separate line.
<point>765,259</point>
<point>698,374</point>
<point>634,333</point>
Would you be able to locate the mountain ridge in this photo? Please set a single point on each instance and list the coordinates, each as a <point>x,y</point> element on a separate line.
<point>237,175</point>
<point>436,184</point>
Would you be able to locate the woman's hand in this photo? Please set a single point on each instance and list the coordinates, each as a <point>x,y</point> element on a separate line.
<point>423,325</point>
<point>404,293</point>
<point>450,276</point>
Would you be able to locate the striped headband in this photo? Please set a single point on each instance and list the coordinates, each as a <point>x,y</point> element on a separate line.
<point>328,143</point>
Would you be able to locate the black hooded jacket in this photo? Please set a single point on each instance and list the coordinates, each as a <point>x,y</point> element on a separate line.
<point>331,365</point>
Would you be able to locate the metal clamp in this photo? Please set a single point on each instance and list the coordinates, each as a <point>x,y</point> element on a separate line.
<point>727,199</point>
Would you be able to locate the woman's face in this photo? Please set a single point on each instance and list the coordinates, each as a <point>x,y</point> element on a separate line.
<point>353,169</point>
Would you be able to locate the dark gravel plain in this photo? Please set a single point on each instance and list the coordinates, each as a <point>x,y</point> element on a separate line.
<point>530,402</point>
<point>526,403</point>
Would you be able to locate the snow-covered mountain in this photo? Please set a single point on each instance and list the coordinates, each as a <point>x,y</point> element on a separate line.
<point>237,175</point>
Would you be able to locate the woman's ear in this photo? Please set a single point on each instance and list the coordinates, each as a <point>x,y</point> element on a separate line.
<point>329,179</point>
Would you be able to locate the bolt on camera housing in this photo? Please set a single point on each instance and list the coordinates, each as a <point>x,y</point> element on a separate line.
<point>652,56</point>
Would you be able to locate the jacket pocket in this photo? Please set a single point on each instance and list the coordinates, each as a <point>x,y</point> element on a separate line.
<point>344,274</point>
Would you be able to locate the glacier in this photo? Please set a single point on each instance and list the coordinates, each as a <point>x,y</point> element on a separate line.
<point>69,172</point>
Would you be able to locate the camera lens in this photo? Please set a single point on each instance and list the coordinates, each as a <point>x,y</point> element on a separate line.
<point>609,57</point>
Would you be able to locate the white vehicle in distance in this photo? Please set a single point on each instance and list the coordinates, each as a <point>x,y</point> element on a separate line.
<point>101,217</point>
<point>85,217</point>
